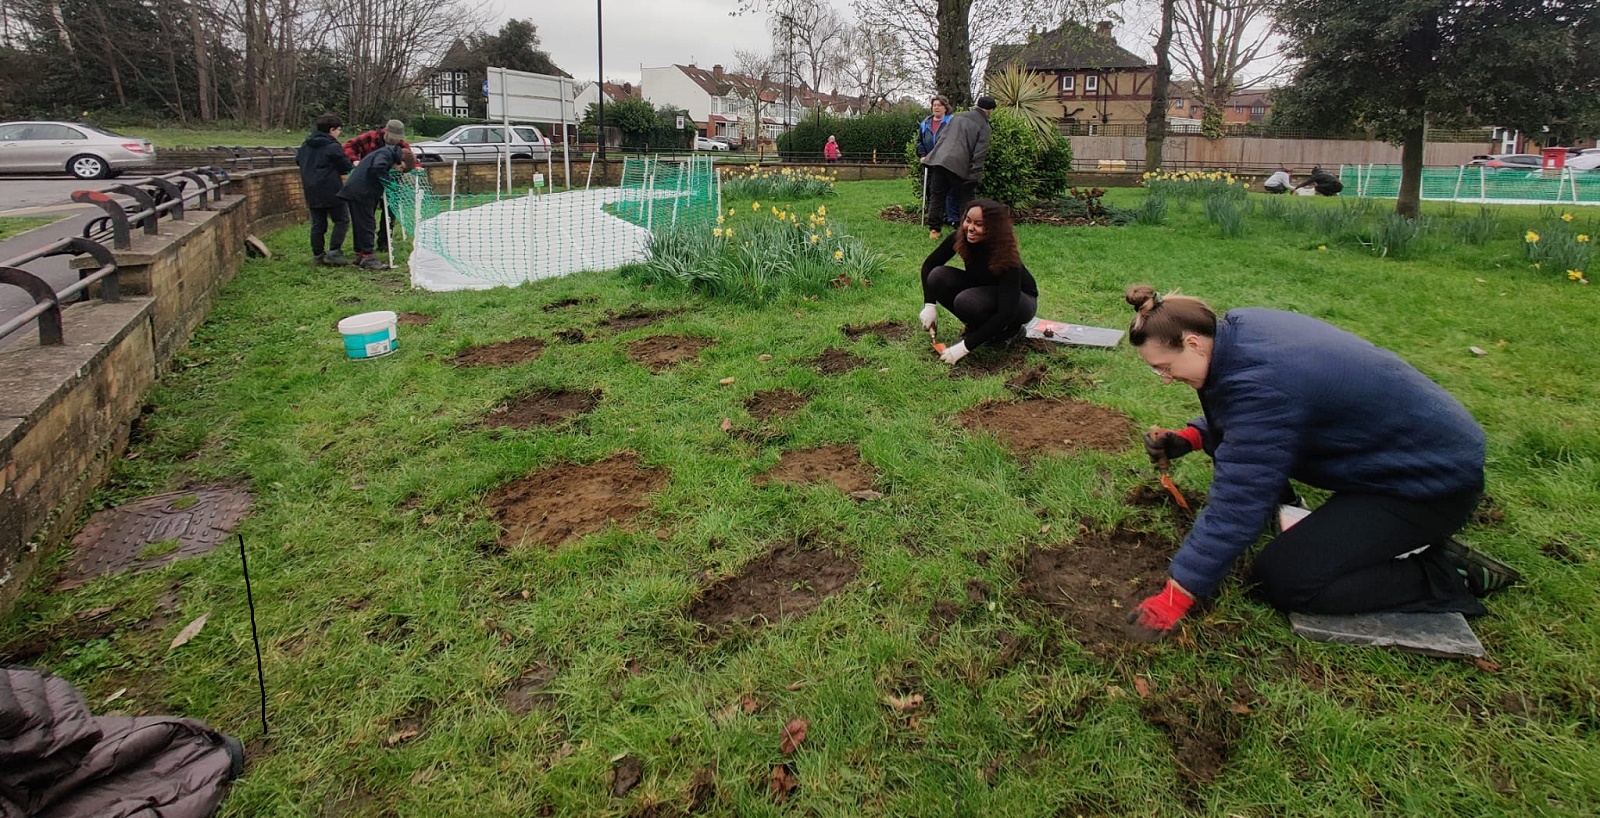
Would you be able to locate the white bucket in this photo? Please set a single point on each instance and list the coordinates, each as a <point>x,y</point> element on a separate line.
<point>370,334</point>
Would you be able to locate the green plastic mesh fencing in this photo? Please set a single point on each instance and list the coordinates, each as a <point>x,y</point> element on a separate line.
<point>481,240</point>
<point>1478,184</point>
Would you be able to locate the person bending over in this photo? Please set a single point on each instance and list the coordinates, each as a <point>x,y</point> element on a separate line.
<point>1285,396</point>
<point>994,296</point>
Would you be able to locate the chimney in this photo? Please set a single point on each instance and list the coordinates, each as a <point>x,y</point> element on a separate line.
<point>627,89</point>
<point>716,73</point>
<point>1103,28</point>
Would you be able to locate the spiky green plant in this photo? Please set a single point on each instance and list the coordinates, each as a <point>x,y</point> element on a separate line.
<point>1029,95</point>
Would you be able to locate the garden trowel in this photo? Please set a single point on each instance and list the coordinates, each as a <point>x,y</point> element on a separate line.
<point>1164,468</point>
<point>934,337</point>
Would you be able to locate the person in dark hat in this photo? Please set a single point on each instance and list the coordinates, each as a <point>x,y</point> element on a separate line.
<point>956,162</point>
<point>393,133</point>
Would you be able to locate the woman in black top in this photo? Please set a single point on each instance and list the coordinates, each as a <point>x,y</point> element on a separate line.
<point>994,296</point>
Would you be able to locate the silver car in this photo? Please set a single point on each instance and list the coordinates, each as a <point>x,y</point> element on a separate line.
<point>469,142</point>
<point>82,150</point>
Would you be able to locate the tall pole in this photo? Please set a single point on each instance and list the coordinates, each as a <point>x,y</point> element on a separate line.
<point>788,77</point>
<point>600,51</point>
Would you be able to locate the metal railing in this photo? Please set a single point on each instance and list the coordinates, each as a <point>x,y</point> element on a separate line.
<point>152,198</point>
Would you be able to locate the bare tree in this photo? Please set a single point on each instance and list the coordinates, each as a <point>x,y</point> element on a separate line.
<point>1217,42</point>
<point>752,85</point>
<point>872,65</point>
<point>390,42</point>
<point>810,34</point>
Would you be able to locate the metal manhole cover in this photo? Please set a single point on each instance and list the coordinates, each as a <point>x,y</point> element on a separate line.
<point>155,531</point>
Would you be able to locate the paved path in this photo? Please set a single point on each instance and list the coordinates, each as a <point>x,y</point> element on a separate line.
<point>40,197</point>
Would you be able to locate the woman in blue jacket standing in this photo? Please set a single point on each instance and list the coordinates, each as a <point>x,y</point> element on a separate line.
<point>1286,396</point>
<point>927,135</point>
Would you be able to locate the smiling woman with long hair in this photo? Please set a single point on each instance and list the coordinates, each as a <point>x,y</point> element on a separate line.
<point>994,296</point>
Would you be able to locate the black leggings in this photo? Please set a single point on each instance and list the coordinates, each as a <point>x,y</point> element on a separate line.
<point>974,298</point>
<point>339,214</point>
<point>1346,558</point>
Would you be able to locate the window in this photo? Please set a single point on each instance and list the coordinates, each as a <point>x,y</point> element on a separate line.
<point>1091,84</point>
<point>1177,102</point>
<point>1066,82</point>
<point>1258,110</point>
<point>1238,109</point>
<point>461,112</point>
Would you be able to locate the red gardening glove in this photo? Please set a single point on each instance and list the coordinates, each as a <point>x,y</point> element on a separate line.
<point>1158,615</point>
<point>1170,444</point>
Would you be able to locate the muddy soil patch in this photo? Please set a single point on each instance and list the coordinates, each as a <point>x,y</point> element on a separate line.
<point>887,330</point>
<point>541,407</point>
<point>560,504</point>
<point>530,691</point>
<point>1152,496</point>
<point>415,319</point>
<point>504,353</point>
<point>1203,725</point>
<point>568,302</point>
<point>835,361</point>
<point>634,318</point>
<point>986,361</point>
<point>787,583</point>
<point>774,403</point>
<point>1091,584</point>
<point>662,352</point>
<point>839,464</point>
<point>1049,426</point>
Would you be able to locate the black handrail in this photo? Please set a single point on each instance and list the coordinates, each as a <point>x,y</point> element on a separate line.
<point>152,197</point>
<point>47,302</point>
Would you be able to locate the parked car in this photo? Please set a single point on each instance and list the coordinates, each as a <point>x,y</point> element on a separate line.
<point>702,143</point>
<point>1508,161</point>
<point>480,142</point>
<point>84,151</point>
<point>733,142</point>
<point>1587,160</point>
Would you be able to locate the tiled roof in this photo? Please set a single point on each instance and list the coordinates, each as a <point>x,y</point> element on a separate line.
<point>1070,47</point>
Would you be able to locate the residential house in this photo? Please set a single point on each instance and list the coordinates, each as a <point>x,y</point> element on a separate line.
<point>455,86</point>
<point>1097,81</point>
<point>736,106</point>
<point>1246,106</point>
<point>615,92</point>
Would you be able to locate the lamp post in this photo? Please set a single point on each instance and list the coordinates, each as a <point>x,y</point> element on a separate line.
<point>600,53</point>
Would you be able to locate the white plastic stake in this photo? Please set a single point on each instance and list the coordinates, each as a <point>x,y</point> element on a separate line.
<point>532,223</point>
<point>453,164</point>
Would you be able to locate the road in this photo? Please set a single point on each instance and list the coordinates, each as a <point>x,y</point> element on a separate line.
<point>41,196</point>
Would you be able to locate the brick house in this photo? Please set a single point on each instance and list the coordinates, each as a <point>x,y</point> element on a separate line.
<point>736,106</point>
<point>1097,81</point>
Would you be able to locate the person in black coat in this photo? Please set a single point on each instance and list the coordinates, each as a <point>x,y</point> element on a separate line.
<point>323,165</point>
<point>994,296</point>
<point>1323,182</point>
<point>364,191</point>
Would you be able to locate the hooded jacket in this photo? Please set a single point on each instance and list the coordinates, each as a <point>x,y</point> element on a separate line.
<point>322,162</point>
<point>365,185</point>
<point>962,146</point>
<point>1288,396</point>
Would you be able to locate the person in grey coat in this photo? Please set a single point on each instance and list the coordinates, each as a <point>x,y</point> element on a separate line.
<point>956,162</point>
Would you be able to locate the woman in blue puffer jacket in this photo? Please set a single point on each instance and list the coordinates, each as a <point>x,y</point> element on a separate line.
<point>1286,396</point>
<point>927,135</point>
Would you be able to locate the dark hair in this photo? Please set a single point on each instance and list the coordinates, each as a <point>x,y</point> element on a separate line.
<point>408,160</point>
<point>1167,319</point>
<point>999,245</point>
<point>327,122</point>
<point>941,98</point>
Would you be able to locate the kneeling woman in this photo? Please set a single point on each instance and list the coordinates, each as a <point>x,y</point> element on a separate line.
<point>1287,396</point>
<point>994,296</point>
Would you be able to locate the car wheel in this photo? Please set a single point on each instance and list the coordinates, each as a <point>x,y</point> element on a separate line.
<point>87,166</point>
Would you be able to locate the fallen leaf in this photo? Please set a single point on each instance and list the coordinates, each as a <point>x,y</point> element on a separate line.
<point>797,685</point>
<point>423,776</point>
<point>113,697</point>
<point>727,424</point>
<point>908,702</point>
<point>748,703</point>
<point>1480,281</point>
<point>1115,692</point>
<point>95,613</point>
<point>1478,351</point>
<point>1240,708</point>
<point>403,735</point>
<point>1486,664</point>
<point>1044,529</point>
<point>526,594</point>
<point>625,774</point>
<point>763,358</point>
<point>567,748</point>
<point>779,782</point>
<point>726,381</point>
<point>793,733</point>
<point>1142,686</point>
<point>867,494</point>
<point>990,771</point>
<point>189,631</point>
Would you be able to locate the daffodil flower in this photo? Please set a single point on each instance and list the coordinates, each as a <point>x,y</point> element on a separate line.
<point>1530,237</point>
<point>1574,275</point>
<point>838,255</point>
<point>755,205</point>
<point>1566,217</point>
<point>1583,237</point>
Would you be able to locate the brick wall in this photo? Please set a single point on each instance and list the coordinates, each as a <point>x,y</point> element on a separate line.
<point>65,410</point>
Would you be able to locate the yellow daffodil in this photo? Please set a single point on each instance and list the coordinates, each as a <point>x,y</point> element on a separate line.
<point>716,231</point>
<point>828,233</point>
<point>1574,275</point>
<point>730,211</point>
<point>814,238</point>
<point>720,219</point>
<point>1322,247</point>
<point>728,232</point>
<point>755,205</point>
<point>1538,266</point>
<point>1531,237</point>
<point>821,210</point>
<point>838,255</point>
<point>1583,237</point>
<point>1566,217</point>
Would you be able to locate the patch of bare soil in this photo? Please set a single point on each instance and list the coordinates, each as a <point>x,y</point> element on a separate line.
<point>1050,426</point>
<point>528,692</point>
<point>541,407</point>
<point>1560,549</point>
<point>634,318</point>
<point>1151,495</point>
<point>570,335</point>
<point>839,464</point>
<point>662,352</point>
<point>1029,380</point>
<point>774,403</point>
<point>568,302</point>
<point>1093,583</point>
<point>985,361</point>
<point>415,319</point>
<point>835,361</point>
<point>787,583</point>
<point>887,330</point>
<point>560,504</point>
<point>28,649</point>
<point>1203,724</point>
<point>505,353</point>
<point>1488,513</point>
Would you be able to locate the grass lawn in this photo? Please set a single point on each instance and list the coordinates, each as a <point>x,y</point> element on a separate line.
<point>172,137</point>
<point>416,665</point>
<point>13,225</point>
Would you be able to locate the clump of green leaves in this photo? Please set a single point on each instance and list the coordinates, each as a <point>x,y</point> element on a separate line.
<point>1393,235</point>
<point>1152,211</point>
<point>1477,230</point>
<point>1558,246</point>
<point>1229,213</point>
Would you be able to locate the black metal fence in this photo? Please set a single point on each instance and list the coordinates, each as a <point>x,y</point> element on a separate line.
<point>139,204</point>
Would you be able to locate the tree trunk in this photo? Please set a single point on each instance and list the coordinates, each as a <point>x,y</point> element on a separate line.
<point>1155,125</point>
<point>202,63</point>
<point>1409,204</point>
<point>952,75</point>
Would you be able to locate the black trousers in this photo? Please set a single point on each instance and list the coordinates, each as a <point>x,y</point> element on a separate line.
<point>944,189</point>
<point>973,298</point>
<point>339,214</point>
<point>363,226</point>
<point>1346,557</point>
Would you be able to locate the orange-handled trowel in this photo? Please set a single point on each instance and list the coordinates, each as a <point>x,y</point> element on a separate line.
<point>1163,467</point>
<point>934,336</point>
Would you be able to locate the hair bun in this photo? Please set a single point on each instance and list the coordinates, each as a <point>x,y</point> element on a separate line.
<point>1141,296</point>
